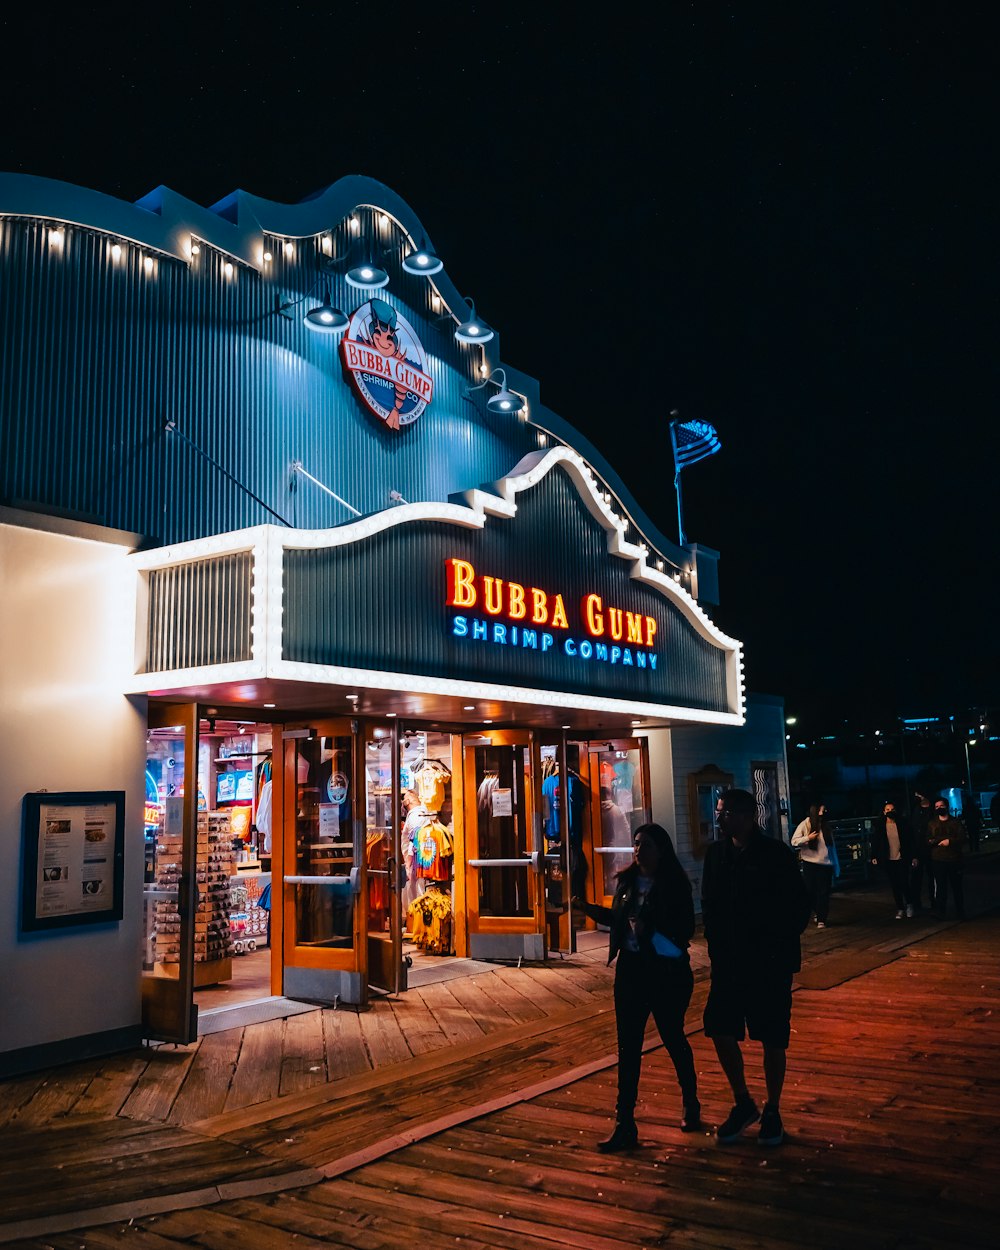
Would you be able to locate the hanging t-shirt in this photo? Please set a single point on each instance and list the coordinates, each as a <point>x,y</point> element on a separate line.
<point>432,852</point>
<point>624,774</point>
<point>264,817</point>
<point>552,790</point>
<point>430,787</point>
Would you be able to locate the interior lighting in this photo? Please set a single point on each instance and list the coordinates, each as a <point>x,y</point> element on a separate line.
<point>268,257</point>
<point>355,225</point>
<point>148,264</point>
<point>367,277</point>
<point>269,705</point>
<point>474,330</point>
<point>353,697</point>
<point>116,252</point>
<point>228,267</point>
<point>543,439</point>
<point>57,237</point>
<point>289,249</point>
<point>469,707</point>
<point>195,248</point>
<point>390,715</point>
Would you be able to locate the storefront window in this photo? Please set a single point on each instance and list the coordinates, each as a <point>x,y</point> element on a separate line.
<point>324,842</point>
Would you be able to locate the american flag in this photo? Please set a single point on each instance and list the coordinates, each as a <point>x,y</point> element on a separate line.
<point>692,441</point>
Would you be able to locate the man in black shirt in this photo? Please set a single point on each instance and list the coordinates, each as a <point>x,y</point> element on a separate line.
<point>754,907</point>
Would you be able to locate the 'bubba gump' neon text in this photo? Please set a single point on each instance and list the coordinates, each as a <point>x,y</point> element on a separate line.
<point>528,608</point>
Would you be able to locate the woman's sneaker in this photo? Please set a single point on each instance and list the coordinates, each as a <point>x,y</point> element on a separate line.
<point>772,1131</point>
<point>743,1114</point>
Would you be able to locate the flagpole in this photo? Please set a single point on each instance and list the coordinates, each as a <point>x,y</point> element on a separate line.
<point>681,539</point>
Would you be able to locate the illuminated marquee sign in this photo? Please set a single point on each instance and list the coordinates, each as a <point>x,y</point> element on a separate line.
<point>387,364</point>
<point>537,620</point>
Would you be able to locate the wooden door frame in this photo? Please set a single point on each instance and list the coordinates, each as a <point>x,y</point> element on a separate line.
<point>473,921</point>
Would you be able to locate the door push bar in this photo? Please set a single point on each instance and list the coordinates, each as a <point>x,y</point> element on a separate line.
<point>529,861</point>
<point>354,880</point>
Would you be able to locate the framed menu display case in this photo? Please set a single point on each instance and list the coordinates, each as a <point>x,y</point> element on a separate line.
<point>73,858</point>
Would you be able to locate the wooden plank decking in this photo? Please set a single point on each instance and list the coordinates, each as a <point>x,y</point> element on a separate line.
<point>486,1138</point>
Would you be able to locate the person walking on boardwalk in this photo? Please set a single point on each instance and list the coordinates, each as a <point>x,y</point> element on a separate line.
<point>754,907</point>
<point>818,860</point>
<point>946,838</point>
<point>651,922</point>
<point>893,851</point>
<point>923,814</point>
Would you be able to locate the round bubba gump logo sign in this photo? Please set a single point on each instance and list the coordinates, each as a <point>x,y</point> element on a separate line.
<point>387,364</point>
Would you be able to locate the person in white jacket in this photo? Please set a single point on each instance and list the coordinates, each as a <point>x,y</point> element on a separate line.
<point>818,859</point>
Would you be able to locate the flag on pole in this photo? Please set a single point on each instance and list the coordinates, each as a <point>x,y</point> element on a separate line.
<point>692,441</point>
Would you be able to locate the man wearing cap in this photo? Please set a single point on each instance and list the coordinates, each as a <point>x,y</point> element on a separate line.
<point>946,838</point>
<point>892,850</point>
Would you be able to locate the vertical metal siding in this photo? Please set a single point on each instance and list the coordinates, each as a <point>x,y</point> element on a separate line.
<point>380,603</point>
<point>96,356</point>
<point>199,614</point>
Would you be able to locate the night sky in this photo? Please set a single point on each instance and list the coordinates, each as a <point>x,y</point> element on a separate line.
<point>780,219</point>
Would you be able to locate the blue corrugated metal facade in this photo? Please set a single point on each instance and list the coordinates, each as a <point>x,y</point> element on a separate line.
<point>157,377</point>
<point>99,352</point>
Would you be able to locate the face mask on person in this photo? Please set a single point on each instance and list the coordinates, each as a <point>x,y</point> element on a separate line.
<point>941,813</point>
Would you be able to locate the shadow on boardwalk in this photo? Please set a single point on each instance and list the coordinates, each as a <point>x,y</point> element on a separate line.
<point>487,1137</point>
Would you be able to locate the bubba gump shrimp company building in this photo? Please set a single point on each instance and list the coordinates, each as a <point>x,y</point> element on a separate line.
<point>329,649</point>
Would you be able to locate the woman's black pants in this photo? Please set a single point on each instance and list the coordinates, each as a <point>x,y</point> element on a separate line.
<point>818,879</point>
<point>649,984</point>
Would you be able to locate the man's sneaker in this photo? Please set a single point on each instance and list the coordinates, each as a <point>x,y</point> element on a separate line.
<point>909,911</point>
<point>899,915</point>
<point>772,1131</point>
<point>743,1114</point>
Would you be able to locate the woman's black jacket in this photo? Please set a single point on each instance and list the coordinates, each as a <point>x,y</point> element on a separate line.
<point>668,909</point>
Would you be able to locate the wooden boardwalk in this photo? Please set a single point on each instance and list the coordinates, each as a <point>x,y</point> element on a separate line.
<point>486,1138</point>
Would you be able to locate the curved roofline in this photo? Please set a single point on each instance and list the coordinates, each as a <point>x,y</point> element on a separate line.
<point>164,221</point>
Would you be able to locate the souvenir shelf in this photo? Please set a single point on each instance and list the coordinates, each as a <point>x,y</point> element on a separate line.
<point>213,946</point>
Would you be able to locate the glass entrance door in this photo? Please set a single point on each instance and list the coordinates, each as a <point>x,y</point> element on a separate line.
<point>321,912</point>
<point>386,969</point>
<point>620,804</point>
<point>171,890</point>
<point>505,897</point>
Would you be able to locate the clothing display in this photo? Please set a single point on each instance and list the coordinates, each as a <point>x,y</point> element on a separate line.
<point>433,851</point>
<point>552,793</point>
<point>431,782</point>
<point>429,920</point>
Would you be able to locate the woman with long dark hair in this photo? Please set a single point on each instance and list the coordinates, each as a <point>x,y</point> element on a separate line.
<point>818,859</point>
<point>651,920</point>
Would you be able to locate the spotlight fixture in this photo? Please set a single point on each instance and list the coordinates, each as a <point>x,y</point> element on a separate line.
<point>367,277</point>
<point>422,261</point>
<point>504,402</point>
<point>324,318</point>
<point>475,330</point>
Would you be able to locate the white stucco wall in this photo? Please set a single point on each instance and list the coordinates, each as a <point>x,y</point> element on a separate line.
<point>66,643</point>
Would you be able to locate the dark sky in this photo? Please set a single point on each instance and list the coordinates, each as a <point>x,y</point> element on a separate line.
<point>780,219</point>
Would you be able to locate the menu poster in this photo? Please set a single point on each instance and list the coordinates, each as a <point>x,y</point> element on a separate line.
<point>74,847</point>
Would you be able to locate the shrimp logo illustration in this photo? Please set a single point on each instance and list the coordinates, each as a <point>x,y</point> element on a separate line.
<point>387,364</point>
